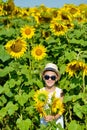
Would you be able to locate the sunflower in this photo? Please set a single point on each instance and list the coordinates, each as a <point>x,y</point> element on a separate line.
<point>73,10</point>
<point>38,52</point>
<point>72,68</point>
<point>58,28</point>
<point>16,48</point>
<point>39,107</point>
<point>57,106</point>
<point>27,31</point>
<point>45,106</point>
<point>45,34</point>
<point>41,97</point>
<point>75,66</point>
<point>64,16</point>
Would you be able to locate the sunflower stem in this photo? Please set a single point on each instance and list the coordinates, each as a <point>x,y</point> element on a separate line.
<point>83,83</point>
<point>29,59</point>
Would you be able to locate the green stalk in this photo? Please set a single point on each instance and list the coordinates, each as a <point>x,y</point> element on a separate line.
<point>29,59</point>
<point>83,83</point>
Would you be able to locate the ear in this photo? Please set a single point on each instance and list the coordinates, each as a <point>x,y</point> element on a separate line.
<point>57,78</point>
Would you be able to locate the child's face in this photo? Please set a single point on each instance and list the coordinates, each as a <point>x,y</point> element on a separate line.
<point>50,78</point>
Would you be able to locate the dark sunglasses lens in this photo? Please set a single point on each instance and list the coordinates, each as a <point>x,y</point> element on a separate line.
<point>46,77</point>
<point>53,77</point>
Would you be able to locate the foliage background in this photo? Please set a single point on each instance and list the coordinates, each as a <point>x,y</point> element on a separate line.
<point>20,78</point>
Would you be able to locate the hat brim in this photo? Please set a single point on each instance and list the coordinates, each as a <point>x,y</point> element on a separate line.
<point>52,69</point>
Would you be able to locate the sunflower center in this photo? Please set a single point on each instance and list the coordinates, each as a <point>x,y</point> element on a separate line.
<point>27,31</point>
<point>42,97</point>
<point>46,34</point>
<point>58,27</point>
<point>16,47</point>
<point>38,52</point>
<point>73,11</point>
<point>65,17</point>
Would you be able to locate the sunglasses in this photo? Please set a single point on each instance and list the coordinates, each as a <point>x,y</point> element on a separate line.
<point>47,77</point>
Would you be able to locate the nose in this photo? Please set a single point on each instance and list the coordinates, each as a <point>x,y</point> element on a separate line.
<point>49,78</point>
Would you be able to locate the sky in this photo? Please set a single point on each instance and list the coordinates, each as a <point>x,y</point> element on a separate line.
<point>48,3</point>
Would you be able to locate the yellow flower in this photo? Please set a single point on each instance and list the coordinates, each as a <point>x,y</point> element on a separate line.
<point>41,97</point>
<point>72,9</point>
<point>45,106</point>
<point>38,52</point>
<point>57,106</point>
<point>27,31</point>
<point>40,108</point>
<point>45,34</point>
<point>64,15</point>
<point>16,48</point>
<point>58,28</point>
<point>75,66</point>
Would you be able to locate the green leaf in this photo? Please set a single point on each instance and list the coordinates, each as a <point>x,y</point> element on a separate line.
<point>62,68</point>
<point>22,98</point>
<point>38,83</point>
<point>84,109</point>
<point>3,100</point>
<point>11,108</point>
<point>1,1</point>
<point>30,110</point>
<point>51,40</point>
<point>67,98</point>
<point>3,112</point>
<point>70,55</point>
<point>7,90</point>
<point>11,83</point>
<point>3,54</point>
<point>31,94</point>
<point>73,125</point>
<point>23,124</point>
<point>78,110</point>
<point>5,71</point>
<point>1,89</point>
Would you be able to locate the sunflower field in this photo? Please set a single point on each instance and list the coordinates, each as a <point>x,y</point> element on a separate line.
<point>30,38</point>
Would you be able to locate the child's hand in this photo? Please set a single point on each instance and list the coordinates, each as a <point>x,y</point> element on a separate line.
<point>49,118</point>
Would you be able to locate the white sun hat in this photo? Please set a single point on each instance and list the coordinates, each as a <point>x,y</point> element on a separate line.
<point>51,67</point>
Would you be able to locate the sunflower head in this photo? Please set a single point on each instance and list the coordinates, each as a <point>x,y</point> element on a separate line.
<point>41,96</point>
<point>16,48</point>
<point>27,31</point>
<point>57,106</point>
<point>45,34</point>
<point>58,28</point>
<point>38,52</point>
<point>74,67</point>
<point>39,107</point>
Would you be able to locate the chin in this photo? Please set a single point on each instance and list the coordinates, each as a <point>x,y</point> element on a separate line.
<point>50,86</point>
